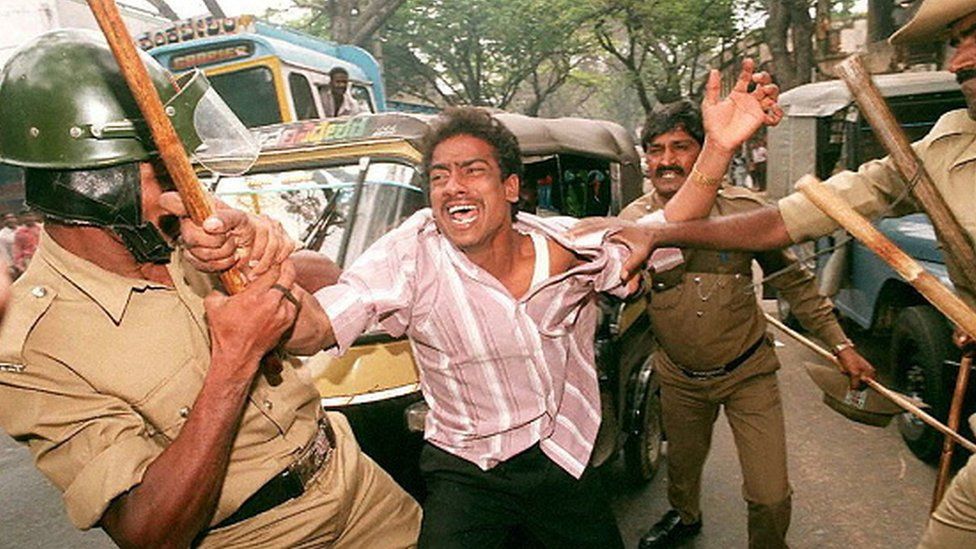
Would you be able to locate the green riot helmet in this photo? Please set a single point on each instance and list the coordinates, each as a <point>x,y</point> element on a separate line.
<point>68,117</point>
<point>64,105</point>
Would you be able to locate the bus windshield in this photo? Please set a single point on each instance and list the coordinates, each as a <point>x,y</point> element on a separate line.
<point>315,205</point>
<point>250,93</point>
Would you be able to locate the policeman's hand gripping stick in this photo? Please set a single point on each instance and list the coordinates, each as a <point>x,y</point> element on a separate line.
<point>941,297</point>
<point>895,397</point>
<point>957,244</point>
<point>198,203</point>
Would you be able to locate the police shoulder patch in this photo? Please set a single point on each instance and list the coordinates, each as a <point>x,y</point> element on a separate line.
<point>28,304</point>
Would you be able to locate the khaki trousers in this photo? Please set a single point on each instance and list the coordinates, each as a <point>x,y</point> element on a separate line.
<point>750,396</point>
<point>352,503</point>
<point>953,524</point>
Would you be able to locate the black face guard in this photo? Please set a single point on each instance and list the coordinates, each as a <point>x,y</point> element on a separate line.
<point>105,197</point>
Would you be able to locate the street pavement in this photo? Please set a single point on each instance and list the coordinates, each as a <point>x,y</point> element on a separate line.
<point>854,485</point>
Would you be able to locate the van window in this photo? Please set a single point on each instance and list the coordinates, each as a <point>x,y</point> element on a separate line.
<point>361,94</point>
<point>301,96</point>
<point>916,114</point>
<point>250,93</point>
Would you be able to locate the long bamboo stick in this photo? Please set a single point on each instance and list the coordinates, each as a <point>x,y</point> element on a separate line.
<point>198,203</point>
<point>955,413</point>
<point>929,286</point>
<point>934,291</point>
<point>875,109</point>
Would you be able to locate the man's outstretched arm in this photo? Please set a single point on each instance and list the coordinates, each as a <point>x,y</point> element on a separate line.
<point>755,231</point>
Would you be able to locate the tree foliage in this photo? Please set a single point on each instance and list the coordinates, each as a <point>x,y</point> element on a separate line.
<point>664,45</point>
<point>789,34</point>
<point>497,53</point>
<point>796,39</point>
<point>347,21</point>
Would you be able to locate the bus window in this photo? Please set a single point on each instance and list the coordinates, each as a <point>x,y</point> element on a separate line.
<point>301,96</point>
<point>250,93</point>
<point>361,94</point>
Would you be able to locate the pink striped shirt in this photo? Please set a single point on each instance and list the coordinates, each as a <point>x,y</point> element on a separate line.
<point>499,374</point>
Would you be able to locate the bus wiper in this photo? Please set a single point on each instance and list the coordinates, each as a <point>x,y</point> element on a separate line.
<point>316,232</point>
<point>364,163</point>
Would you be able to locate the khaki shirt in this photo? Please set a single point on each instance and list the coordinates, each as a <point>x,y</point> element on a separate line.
<point>949,155</point>
<point>98,373</point>
<point>704,312</point>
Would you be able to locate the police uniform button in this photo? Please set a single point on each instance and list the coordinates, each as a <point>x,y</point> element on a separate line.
<point>34,132</point>
<point>268,404</point>
<point>38,291</point>
<point>75,132</point>
<point>185,412</point>
<point>700,313</point>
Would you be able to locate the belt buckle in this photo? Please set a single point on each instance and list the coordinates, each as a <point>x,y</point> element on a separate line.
<point>314,457</point>
<point>705,374</point>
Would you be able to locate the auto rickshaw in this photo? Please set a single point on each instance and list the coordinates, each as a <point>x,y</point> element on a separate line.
<point>338,185</point>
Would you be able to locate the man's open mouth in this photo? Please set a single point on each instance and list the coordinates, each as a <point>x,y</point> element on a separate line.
<point>463,214</point>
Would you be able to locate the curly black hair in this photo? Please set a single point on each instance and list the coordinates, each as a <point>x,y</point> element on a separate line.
<point>476,123</point>
<point>672,116</point>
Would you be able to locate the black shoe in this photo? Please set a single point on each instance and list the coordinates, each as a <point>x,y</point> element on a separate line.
<point>668,531</point>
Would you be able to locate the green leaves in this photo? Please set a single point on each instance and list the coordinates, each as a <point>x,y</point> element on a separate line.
<point>665,45</point>
<point>481,52</point>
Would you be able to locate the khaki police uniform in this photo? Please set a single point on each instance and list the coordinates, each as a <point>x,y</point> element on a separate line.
<point>706,318</point>
<point>99,372</point>
<point>949,155</point>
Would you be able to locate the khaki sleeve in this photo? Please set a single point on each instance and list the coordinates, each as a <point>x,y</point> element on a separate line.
<point>92,446</point>
<point>871,191</point>
<point>799,288</point>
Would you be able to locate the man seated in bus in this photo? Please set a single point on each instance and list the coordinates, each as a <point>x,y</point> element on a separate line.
<point>338,100</point>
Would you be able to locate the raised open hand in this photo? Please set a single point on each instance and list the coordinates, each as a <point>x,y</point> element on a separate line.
<point>729,122</point>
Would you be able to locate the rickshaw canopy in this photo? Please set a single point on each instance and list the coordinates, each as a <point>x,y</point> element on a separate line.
<point>537,137</point>
<point>826,98</point>
<point>794,145</point>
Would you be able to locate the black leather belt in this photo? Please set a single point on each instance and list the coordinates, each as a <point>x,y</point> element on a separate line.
<point>729,367</point>
<point>290,483</point>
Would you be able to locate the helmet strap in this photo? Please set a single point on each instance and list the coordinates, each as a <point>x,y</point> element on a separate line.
<point>144,242</point>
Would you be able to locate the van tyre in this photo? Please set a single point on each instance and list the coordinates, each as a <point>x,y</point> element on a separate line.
<point>642,451</point>
<point>920,343</point>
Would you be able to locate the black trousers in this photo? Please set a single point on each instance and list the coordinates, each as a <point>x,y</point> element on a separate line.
<point>467,507</point>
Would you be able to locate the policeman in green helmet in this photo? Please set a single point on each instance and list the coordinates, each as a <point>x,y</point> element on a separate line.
<point>134,384</point>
